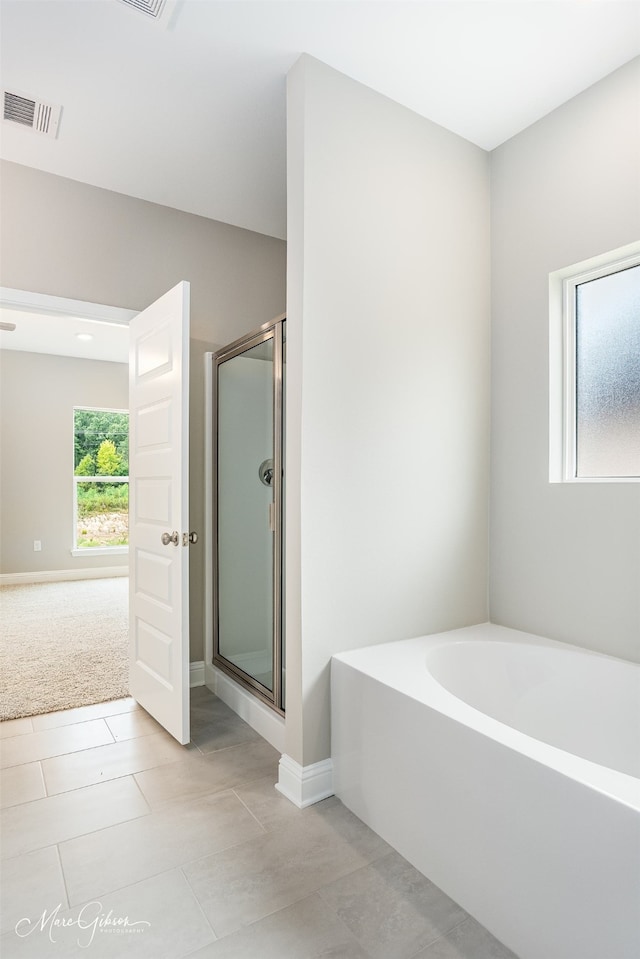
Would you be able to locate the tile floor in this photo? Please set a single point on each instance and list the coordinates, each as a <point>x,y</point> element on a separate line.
<point>106,820</point>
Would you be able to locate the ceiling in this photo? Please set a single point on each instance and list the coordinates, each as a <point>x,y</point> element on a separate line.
<point>189,111</point>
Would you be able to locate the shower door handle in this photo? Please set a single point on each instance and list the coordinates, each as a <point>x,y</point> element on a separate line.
<point>265,472</point>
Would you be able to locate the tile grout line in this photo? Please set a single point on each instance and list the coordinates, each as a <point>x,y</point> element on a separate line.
<point>312,892</point>
<point>351,872</point>
<point>44,781</point>
<point>116,889</point>
<point>339,918</point>
<point>242,745</point>
<point>180,865</point>
<point>102,782</point>
<point>17,735</point>
<point>64,878</point>
<point>439,938</point>
<point>144,798</point>
<point>67,792</point>
<point>240,799</point>
<point>250,782</point>
<point>216,852</point>
<point>216,937</point>
<point>159,805</point>
<point>79,721</point>
<point>58,730</point>
<point>138,882</point>
<point>80,835</point>
<point>108,728</point>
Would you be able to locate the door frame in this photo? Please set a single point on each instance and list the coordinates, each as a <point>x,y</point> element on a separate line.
<point>62,306</point>
<point>53,305</point>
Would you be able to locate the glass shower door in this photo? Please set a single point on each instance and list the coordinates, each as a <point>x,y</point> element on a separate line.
<point>248,513</point>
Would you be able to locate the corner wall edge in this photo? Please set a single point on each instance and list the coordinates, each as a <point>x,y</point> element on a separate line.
<point>305,785</point>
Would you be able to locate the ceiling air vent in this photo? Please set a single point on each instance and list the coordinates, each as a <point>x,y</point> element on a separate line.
<point>151,8</point>
<point>35,114</point>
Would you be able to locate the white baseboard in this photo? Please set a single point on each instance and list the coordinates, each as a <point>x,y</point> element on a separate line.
<point>305,785</point>
<point>264,720</point>
<point>62,575</point>
<point>196,674</point>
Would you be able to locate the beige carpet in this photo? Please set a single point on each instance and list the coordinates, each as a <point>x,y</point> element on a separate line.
<point>62,645</point>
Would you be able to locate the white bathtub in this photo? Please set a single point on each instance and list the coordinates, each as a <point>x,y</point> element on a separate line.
<point>503,766</point>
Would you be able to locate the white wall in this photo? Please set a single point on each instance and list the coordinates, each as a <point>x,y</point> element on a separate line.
<point>38,394</point>
<point>565,558</point>
<point>73,240</point>
<point>388,383</point>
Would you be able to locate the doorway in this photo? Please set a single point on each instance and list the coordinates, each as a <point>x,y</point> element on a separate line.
<point>248,515</point>
<point>157,375</point>
<point>57,354</point>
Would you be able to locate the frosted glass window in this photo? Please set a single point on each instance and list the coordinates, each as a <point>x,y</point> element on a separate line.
<point>608,375</point>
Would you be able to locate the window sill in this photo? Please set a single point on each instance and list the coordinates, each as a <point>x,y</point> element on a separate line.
<point>595,479</point>
<point>100,551</point>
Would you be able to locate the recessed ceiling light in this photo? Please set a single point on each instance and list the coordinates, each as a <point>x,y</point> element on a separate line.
<point>84,336</point>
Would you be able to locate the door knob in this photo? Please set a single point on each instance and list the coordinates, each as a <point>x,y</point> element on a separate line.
<point>189,538</point>
<point>171,538</point>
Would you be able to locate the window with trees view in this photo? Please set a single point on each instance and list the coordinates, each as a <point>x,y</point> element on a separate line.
<point>101,479</point>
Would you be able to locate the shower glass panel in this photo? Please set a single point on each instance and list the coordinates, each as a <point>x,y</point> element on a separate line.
<point>248,512</point>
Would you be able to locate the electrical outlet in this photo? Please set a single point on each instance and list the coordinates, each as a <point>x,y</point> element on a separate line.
<point>37,546</point>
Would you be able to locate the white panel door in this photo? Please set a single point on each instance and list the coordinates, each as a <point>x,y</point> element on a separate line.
<point>158,504</point>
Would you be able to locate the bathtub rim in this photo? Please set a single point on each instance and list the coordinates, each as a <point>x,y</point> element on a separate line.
<point>418,683</point>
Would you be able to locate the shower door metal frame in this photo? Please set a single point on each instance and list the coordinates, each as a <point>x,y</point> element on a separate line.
<point>272,330</point>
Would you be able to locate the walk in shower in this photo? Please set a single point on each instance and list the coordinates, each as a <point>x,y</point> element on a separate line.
<point>248,498</point>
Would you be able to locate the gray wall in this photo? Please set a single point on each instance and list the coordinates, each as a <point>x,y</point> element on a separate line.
<point>73,240</point>
<point>70,239</point>
<point>565,558</point>
<point>37,397</point>
<point>388,383</point>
